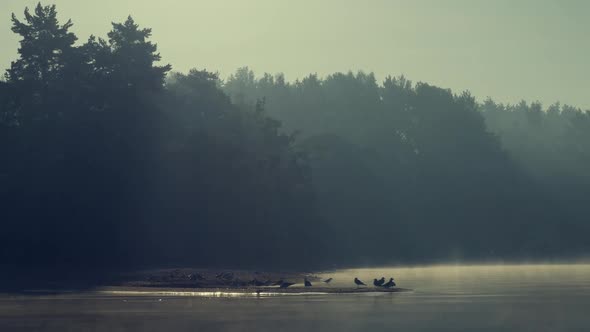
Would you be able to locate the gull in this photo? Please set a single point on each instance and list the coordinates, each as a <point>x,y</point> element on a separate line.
<point>359,283</point>
<point>390,283</point>
<point>379,282</point>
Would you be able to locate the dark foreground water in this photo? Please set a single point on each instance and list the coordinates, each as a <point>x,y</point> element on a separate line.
<point>445,298</point>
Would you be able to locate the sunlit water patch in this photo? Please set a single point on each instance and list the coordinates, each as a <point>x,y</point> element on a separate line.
<point>226,293</point>
<point>539,298</point>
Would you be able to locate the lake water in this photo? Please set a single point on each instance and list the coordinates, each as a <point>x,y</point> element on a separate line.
<point>445,298</point>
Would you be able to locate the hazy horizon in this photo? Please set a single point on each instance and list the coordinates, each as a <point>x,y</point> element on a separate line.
<point>508,50</point>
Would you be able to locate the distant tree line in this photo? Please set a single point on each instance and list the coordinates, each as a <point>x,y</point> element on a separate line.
<point>110,161</point>
<point>413,172</point>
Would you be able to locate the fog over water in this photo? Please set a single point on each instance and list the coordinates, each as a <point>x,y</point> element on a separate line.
<point>455,298</point>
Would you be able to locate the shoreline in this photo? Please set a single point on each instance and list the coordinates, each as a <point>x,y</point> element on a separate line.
<point>218,292</point>
<point>192,282</point>
<point>210,282</point>
<point>187,278</point>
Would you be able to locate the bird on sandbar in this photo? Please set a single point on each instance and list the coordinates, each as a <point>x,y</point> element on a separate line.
<point>379,282</point>
<point>307,283</point>
<point>327,281</point>
<point>358,282</point>
<point>390,283</point>
<point>286,284</point>
<point>256,282</point>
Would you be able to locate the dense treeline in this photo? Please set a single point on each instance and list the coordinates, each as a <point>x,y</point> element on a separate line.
<point>111,160</point>
<point>108,162</point>
<point>422,173</point>
<point>553,146</point>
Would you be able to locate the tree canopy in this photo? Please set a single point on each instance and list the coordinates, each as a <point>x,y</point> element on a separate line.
<point>111,160</point>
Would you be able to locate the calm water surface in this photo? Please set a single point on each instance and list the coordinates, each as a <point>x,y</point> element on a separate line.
<point>445,298</point>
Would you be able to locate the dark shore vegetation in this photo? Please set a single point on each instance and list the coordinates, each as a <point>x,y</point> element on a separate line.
<point>111,161</point>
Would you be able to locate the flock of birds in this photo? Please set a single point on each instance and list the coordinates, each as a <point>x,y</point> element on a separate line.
<point>376,282</point>
<point>229,276</point>
<point>284,284</point>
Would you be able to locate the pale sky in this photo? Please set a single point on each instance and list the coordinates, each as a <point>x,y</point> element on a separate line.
<point>506,49</point>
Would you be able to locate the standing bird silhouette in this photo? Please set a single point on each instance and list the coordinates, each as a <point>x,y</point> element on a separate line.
<point>359,283</point>
<point>257,283</point>
<point>390,283</point>
<point>286,284</point>
<point>379,282</point>
<point>307,283</point>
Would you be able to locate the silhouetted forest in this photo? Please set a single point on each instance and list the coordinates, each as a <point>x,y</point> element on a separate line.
<point>110,160</point>
<point>413,172</point>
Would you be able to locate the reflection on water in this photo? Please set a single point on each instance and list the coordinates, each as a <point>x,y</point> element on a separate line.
<point>208,293</point>
<point>447,298</point>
